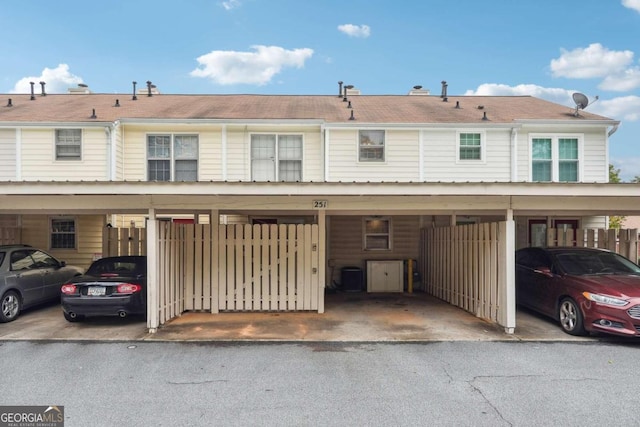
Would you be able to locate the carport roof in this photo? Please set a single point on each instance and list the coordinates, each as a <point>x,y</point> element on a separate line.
<point>523,198</point>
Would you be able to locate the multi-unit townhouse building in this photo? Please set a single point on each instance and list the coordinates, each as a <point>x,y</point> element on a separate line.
<point>260,202</point>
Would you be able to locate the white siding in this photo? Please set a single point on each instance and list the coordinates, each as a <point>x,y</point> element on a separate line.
<point>594,166</point>
<point>7,154</point>
<point>39,162</point>
<point>441,164</point>
<point>401,157</point>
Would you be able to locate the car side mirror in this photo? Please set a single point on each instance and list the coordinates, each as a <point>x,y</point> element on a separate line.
<point>63,263</point>
<point>544,270</point>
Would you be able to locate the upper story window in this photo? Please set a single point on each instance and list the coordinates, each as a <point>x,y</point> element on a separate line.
<point>63,233</point>
<point>555,159</point>
<point>172,157</point>
<point>276,157</point>
<point>68,144</point>
<point>371,148</point>
<point>470,146</point>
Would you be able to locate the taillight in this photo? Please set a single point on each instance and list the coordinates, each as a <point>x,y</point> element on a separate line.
<point>68,289</point>
<point>128,288</point>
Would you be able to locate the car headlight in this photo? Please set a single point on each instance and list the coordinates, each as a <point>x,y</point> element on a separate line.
<point>604,299</point>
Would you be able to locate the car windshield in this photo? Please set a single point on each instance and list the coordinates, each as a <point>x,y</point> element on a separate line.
<point>583,262</point>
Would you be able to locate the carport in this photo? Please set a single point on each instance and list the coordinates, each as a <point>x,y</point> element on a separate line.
<point>485,287</point>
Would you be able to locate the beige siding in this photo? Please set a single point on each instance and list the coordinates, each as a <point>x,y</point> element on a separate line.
<point>7,154</point>
<point>39,163</point>
<point>441,157</point>
<point>35,232</point>
<point>239,155</point>
<point>401,157</point>
<point>345,242</point>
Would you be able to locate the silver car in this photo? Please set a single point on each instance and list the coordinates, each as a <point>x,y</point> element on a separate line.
<point>29,276</point>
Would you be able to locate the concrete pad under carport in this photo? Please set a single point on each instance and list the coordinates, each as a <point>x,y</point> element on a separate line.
<point>349,317</point>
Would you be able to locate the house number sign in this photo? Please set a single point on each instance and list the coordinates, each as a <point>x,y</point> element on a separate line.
<point>320,204</point>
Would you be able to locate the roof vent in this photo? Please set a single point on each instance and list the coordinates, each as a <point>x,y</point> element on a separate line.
<point>352,117</point>
<point>458,104</point>
<point>42,86</point>
<point>444,89</point>
<point>80,89</point>
<point>33,97</point>
<point>93,114</point>
<point>417,90</point>
<point>346,88</point>
<point>340,89</point>
<point>117,104</point>
<point>134,90</point>
<point>148,88</point>
<point>484,116</point>
<point>9,103</point>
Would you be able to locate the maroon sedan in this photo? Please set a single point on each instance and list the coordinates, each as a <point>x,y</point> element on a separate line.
<point>585,289</point>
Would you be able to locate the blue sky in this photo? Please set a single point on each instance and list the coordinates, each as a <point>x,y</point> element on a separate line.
<point>545,48</point>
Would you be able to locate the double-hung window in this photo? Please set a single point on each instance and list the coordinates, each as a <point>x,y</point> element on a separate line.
<point>276,157</point>
<point>555,158</point>
<point>172,157</point>
<point>371,147</point>
<point>63,233</point>
<point>68,144</point>
<point>470,146</point>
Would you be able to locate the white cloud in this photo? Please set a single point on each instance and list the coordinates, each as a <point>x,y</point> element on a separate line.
<point>593,61</point>
<point>625,108</point>
<point>627,80</point>
<point>355,30</point>
<point>57,80</point>
<point>558,95</point>
<point>231,67</point>
<point>231,4</point>
<point>632,4</point>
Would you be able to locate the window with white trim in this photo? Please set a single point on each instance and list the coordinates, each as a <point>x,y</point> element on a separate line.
<point>470,146</point>
<point>172,157</point>
<point>371,146</point>
<point>377,234</point>
<point>276,157</point>
<point>62,233</point>
<point>555,158</point>
<point>68,144</point>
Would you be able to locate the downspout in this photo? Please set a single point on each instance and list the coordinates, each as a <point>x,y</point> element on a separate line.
<point>514,154</point>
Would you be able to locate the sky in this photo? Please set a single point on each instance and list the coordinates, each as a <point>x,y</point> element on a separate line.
<point>545,48</point>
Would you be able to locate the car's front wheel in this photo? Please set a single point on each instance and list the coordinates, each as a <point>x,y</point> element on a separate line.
<point>570,317</point>
<point>10,306</point>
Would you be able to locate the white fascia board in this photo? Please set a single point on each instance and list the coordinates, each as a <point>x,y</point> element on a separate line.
<point>239,122</point>
<point>57,125</point>
<point>568,123</point>
<point>421,126</point>
<point>318,189</point>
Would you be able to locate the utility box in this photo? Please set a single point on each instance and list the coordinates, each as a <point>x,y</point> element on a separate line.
<point>351,278</point>
<point>385,276</point>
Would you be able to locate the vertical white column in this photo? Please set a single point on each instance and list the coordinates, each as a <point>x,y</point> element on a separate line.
<point>215,259</point>
<point>507,284</point>
<point>322,255</point>
<point>152,273</point>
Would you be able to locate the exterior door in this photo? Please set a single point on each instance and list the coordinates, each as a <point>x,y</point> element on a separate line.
<point>538,232</point>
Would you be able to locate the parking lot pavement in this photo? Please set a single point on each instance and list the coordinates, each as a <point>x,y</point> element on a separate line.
<point>358,317</point>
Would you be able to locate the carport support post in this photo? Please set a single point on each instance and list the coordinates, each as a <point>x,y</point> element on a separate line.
<point>152,276</point>
<point>507,276</point>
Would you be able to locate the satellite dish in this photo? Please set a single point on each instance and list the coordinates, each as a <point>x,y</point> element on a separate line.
<point>581,100</point>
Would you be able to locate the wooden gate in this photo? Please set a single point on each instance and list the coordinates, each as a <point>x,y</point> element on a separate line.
<point>249,268</point>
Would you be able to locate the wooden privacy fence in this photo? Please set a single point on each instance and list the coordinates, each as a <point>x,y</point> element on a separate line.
<point>249,268</point>
<point>466,266</point>
<point>9,235</point>
<point>624,241</point>
<point>124,241</point>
